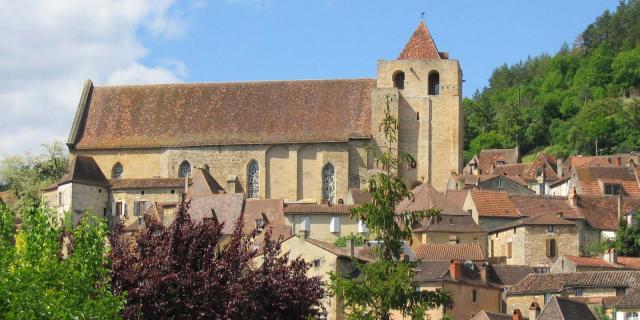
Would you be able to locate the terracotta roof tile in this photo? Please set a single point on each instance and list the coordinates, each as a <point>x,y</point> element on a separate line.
<point>540,219</point>
<point>556,282</point>
<point>563,308</point>
<point>118,184</point>
<point>601,161</point>
<point>456,197</point>
<point>508,275</point>
<point>590,180</point>
<point>630,300</point>
<point>227,208</point>
<point>531,205</point>
<point>545,162</point>
<point>601,212</point>
<point>488,158</point>
<point>589,262</point>
<point>513,170</point>
<point>448,252</point>
<point>272,210</point>
<point>420,46</point>
<point>84,170</point>
<point>360,253</point>
<point>426,197</point>
<point>494,204</point>
<point>196,114</point>
<point>449,224</point>
<point>486,315</point>
<point>312,208</point>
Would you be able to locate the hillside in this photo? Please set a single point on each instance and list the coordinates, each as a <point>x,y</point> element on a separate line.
<point>563,103</point>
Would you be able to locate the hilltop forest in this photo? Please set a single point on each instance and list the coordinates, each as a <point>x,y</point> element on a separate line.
<point>564,103</point>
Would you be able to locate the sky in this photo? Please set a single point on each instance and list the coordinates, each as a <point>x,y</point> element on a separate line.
<point>49,48</point>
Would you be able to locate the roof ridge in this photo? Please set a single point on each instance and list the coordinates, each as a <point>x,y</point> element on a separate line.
<point>222,82</point>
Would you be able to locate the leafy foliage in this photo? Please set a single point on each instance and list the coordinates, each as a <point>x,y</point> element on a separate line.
<point>568,100</point>
<point>387,284</point>
<point>628,238</point>
<point>192,271</point>
<point>39,281</point>
<point>357,240</point>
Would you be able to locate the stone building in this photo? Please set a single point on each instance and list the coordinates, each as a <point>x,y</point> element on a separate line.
<point>301,141</point>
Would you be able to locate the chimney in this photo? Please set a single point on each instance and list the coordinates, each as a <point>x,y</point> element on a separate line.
<point>350,247</point>
<point>611,256</point>
<point>517,315</point>
<point>534,311</point>
<point>573,197</point>
<point>559,167</point>
<point>484,276</point>
<point>455,269</point>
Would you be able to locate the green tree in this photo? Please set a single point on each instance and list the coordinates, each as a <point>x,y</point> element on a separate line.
<point>386,284</point>
<point>40,278</point>
<point>628,238</point>
<point>626,68</point>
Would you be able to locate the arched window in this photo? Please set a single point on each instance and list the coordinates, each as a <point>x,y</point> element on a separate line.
<point>434,83</point>
<point>328,183</point>
<point>632,316</point>
<point>185,169</point>
<point>118,171</point>
<point>398,80</point>
<point>253,179</point>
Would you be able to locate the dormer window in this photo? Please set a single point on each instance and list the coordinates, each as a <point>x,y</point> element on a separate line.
<point>398,80</point>
<point>612,189</point>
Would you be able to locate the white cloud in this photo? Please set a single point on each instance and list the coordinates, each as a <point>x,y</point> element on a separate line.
<point>48,48</point>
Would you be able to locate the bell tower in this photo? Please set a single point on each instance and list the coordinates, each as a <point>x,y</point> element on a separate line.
<point>425,87</point>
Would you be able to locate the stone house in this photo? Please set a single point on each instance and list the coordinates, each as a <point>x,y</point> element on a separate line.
<point>491,209</point>
<point>300,141</point>
<point>322,221</point>
<point>471,284</point>
<point>596,288</point>
<point>488,159</point>
<point>609,261</point>
<point>510,184</point>
<point>606,180</point>
<point>536,240</point>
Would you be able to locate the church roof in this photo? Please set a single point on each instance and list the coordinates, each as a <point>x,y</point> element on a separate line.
<point>420,46</point>
<point>197,114</point>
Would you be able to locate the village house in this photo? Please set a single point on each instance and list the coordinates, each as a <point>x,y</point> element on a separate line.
<point>484,162</point>
<point>607,180</point>
<point>608,261</point>
<point>557,308</point>
<point>497,182</point>
<point>603,289</point>
<point>325,222</point>
<point>448,252</point>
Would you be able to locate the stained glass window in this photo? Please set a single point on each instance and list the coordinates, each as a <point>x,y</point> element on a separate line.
<point>328,183</point>
<point>253,180</point>
<point>184,170</point>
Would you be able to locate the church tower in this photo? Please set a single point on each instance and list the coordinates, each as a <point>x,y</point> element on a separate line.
<point>425,88</point>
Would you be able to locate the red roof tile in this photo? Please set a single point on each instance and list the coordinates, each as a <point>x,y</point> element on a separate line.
<point>426,197</point>
<point>448,252</point>
<point>312,208</point>
<point>494,204</point>
<point>556,282</point>
<point>590,180</point>
<point>589,262</point>
<point>456,197</point>
<point>420,46</point>
<point>117,184</point>
<point>196,114</point>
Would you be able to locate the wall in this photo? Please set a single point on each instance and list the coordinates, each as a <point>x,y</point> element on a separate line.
<point>434,138</point>
<point>87,197</point>
<point>523,303</point>
<point>319,226</point>
<point>130,196</point>
<point>488,299</point>
<point>287,171</point>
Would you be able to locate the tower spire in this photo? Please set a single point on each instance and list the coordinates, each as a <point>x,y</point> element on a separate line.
<point>420,46</point>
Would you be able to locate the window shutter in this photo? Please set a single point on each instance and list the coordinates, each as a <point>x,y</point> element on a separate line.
<point>362,227</point>
<point>509,249</point>
<point>552,247</point>
<point>547,248</point>
<point>334,226</point>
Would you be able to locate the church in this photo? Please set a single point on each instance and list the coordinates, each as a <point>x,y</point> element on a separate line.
<point>300,141</point>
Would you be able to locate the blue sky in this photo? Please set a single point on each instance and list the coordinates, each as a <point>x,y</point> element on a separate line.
<point>48,48</point>
<point>279,40</point>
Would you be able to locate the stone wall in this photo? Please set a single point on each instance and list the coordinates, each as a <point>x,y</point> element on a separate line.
<point>319,226</point>
<point>131,196</point>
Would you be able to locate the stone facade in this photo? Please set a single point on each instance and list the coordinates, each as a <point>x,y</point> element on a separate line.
<point>77,198</point>
<point>528,244</point>
<point>319,226</point>
<point>487,298</point>
<point>130,197</point>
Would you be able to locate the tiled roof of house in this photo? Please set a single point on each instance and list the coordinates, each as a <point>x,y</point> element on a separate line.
<point>559,308</point>
<point>426,197</point>
<point>630,300</point>
<point>531,205</point>
<point>456,197</point>
<point>431,270</point>
<point>556,282</point>
<point>270,209</point>
<point>508,275</point>
<point>450,224</point>
<point>488,158</point>
<point>448,252</point>
<point>227,208</point>
<point>540,219</point>
<point>494,204</point>
<point>119,184</point>
<point>590,180</point>
<point>511,169</point>
<point>601,212</point>
<point>602,161</point>
<point>545,162</point>
<point>436,271</point>
<point>420,46</point>
<point>313,208</point>
<point>83,170</point>
<point>203,184</point>
<point>589,262</point>
<point>629,262</point>
<point>360,253</point>
<point>486,315</point>
<point>197,114</point>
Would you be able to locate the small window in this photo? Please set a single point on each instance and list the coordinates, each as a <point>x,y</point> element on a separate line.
<point>334,225</point>
<point>118,171</point>
<point>500,163</point>
<point>398,80</point>
<point>140,207</point>
<point>173,191</point>
<point>551,248</point>
<point>474,295</point>
<point>579,292</point>
<point>184,170</point>
<point>469,211</point>
<point>550,228</point>
<point>500,183</point>
<point>621,292</point>
<point>260,224</point>
<point>317,262</point>
<point>491,246</point>
<point>434,83</point>
<point>632,316</point>
<point>142,193</point>
<point>60,201</point>
<point>612,189</point>
<point>418,116</point>
<point>514,230</point>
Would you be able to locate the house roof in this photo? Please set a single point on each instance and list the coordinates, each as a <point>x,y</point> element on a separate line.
<point>486,315</point>
<point>601,161</point>
<point>601,212</point>
<point>420,46</point>
<point>360,253</point>
<point>508,275</point>
<point>531,205</point>
<point>121,184</point>
<point>630,300</point>
<point>511,169</point>
<point>590,180</point>
<point>197,114</point>
<point>426,197</point>
<point>450,224</point>
<point>488,158</point>
<point>83,170</point>
<point>272,210</point>
<point>494,204</point>
<point>540,219</point>
<point>432,271</point>
<point>559,308</point>
<point>598,262</point>
<point>556,282</point>
<point>313,208</point>
<point>227,208</point>
<point>456,197</point>
<point>545,162</point>
<point>448,252</point>
<point>203,184</point>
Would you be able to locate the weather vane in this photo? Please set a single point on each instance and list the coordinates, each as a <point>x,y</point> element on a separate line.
<point>422,15</point>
